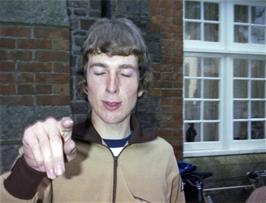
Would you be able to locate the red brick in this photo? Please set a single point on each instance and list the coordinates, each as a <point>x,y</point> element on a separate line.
<point>166,132</point>
<point>61,67</point>
<point>51,33</point>
<point>7,66</point>
<point>156,92</point>
<point>25,77</point>
<point>61,45</point>
<point>169,109</point>
<point>25,89</point>
<point>35,67</point>
<point>171,92</point>
<point>156,76</point>
<point>7,43</point>
<point>170,124</point>
<point>17,100</point>
<point>166,84</point>
<point>15,31</point>
<point>7,89</point>
<point>15,55</point>
<point>52,100</point>
<point>57,78</point>
<point>5,55</point>
<point>167,76</point>
<point>169,101</point>
<point>154,8</point>
<point>43,89</point>
<point>61,89</point>
<point>34,44</point>
<point>22,55</point>
<point>47,56</point>
<point>7,78</point>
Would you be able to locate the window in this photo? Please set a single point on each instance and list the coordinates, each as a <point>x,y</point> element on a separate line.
<point>202,21</point>
<point>249,24</point>
<point>224,77</point>
<point>249,91</point>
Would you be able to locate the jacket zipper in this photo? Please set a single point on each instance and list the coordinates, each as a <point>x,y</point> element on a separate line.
<point>114,178</point>
<point>115,158</point>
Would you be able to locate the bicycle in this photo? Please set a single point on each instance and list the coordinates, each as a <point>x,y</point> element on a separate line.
<point>256,180</point>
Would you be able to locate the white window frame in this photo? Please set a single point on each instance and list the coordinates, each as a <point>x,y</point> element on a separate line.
<point>226,49</point>
<point>226,32</point>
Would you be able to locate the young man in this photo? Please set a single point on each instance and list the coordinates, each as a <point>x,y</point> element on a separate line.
<point>107,158</point>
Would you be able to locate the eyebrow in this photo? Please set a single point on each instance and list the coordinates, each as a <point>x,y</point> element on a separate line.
<point>98,64</point>
<point>123,66</point>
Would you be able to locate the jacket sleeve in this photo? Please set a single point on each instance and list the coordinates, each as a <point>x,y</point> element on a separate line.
<point>21,183</point>
<point>175,182</point>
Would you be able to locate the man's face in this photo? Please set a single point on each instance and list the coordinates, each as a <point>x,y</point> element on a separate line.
<point>112,86</point>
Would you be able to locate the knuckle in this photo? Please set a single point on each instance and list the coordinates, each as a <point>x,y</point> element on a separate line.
<point>27,136</point>
<point>50,120</point>
<point>55,139</point>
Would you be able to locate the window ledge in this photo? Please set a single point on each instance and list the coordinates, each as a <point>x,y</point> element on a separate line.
<point>222,152</point>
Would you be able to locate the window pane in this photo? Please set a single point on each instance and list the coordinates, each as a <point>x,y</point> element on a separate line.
<point>192,132</point>
<point>258,109</point>
<point>211,89</point>
<point>241,34</point>
<point>192,10</point>
<point>192,66</point>
<point>258,129</point>
<point>210,131</point>
<point>211,110</point>
<point>240,68</point>
<point>192,110</point>
<point>258,14</point>
<point>240,130</point>
<point>240,89</point>
<point>211,11</point>
<point>192,88</point>
<point>211,32</point>
<point>241,14</point>
<point>211,67</point>
<point>240,109</point>
<point>257,35</point>
<point>258,69</point>
<point>258,89</point>
<point>192,31</point>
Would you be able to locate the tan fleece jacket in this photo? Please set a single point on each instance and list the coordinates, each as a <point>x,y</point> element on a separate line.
<point>145,171</point>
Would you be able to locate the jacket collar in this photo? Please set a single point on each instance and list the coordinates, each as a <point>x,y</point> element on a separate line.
<point>85,132</point>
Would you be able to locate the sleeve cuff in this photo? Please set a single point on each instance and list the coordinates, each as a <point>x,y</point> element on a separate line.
<point>23,181</point>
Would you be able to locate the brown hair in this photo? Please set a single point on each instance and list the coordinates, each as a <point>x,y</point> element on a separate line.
<point>118,36</point>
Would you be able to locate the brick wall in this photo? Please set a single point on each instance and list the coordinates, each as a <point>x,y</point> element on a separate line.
<point>166,19</point>
<point>34,80</point>
<point>34,65</point>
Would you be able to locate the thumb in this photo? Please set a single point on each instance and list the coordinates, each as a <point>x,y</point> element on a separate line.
<point>66,125</point>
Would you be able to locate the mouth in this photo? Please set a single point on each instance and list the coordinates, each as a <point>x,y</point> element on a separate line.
<point>111,106</point>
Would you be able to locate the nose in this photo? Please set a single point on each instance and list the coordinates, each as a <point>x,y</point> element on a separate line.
<point>112,85</point>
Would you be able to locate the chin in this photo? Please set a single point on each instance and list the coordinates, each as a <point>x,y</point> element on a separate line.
<point>113,118</point>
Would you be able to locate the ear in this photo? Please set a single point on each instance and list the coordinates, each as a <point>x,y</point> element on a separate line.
<point>140,93</point>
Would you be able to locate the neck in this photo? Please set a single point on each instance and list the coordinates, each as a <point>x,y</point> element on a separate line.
<point>111,131</point>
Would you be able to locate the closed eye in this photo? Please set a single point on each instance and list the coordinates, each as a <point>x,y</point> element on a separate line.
<point>99,73</point>
<point>127,75</point>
